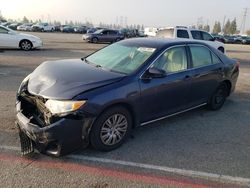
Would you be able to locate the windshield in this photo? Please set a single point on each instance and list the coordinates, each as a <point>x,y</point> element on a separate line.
<point>98,31</point>
<point>121,58</point>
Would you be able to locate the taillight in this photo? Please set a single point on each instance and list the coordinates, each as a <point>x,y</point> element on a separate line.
<point>238,64</point>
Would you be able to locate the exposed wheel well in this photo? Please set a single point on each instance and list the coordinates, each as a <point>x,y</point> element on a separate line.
<point>222,49</point>
<point>229,86</point>
<point>127,107</point>
<point>25,40</point>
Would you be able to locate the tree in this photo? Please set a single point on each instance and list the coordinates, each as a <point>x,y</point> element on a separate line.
<point>233,27</point>
<point>206,28</point>
<point>227,27</point>
<point>25,20</point>
<point>200,27</point>
<point>217,28</point>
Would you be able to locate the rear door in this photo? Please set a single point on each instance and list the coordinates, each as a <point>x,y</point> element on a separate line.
<point>208,73</point>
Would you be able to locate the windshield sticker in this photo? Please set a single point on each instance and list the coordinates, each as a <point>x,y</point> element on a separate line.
<point>143,49</point>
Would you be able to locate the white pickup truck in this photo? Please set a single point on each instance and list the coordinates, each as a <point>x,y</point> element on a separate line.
<point>189,33</point>
<point>43,27</point>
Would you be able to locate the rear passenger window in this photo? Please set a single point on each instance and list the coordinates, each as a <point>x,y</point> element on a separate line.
<point>196,35</point>
<point>112,32</point>
<point>201,56</point>
<point>182,34</point>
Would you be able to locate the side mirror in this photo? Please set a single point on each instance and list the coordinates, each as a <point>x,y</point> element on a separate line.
<point>212,39</point>
<point>156,73</point>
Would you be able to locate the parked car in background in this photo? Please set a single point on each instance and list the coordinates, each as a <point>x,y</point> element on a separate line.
<point>14,26</point>
<point>245,40</point>
<point>229,39</point>
<point>57,28</point>
<point>13,39</point>
<point>141,33</point>
<point>5,23</point>
<point>80,29</point>
<point>43,27</point>
<point>25,27</point>
<point>189,33</point>
<point>67,29</point>
<point>150,31</point>
<point>99,99</point>
<point>219,38</point>
<point>91,30</point>
<point>103,35</point>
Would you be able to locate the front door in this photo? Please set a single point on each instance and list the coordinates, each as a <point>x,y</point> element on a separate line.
<point>7,39</point>
<point>170,93</point>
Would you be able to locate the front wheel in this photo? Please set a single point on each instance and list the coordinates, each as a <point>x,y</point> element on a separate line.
<point>26,45</point>
<point>95,40</point>
<point>219,97</point>
<point>111,129</point>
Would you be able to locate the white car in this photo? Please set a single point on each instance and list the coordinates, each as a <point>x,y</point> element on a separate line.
<point>24,27</point>
<point>43,27</point>
<point>150,31</point>
<point>13,39</point>
<point>189,33</point>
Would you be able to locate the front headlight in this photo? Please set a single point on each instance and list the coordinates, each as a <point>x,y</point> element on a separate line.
<point>24,83</point>
<point>59,107</point>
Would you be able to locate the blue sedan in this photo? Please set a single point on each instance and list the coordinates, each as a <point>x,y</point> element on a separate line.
<point>63,105</point>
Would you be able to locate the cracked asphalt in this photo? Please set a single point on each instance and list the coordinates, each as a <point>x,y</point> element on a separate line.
<point>199,140</point>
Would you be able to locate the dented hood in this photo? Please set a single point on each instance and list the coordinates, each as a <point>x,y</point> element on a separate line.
<point>65,79</point>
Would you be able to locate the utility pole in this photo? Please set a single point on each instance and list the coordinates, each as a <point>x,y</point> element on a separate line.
<point>243,23</point>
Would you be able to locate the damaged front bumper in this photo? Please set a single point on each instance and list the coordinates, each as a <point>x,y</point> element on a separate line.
<point>59,138</point>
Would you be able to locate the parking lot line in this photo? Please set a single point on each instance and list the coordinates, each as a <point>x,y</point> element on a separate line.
<point>183,172</point>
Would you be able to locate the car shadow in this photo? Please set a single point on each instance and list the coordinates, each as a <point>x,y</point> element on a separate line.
<point>192,140</point>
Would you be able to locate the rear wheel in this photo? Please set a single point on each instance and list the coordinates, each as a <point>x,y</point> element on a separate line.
<point>219,97</point>
<point>26,45</point>
<point>111,129</point>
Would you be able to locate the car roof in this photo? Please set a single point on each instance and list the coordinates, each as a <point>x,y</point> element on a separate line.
<point>159,42</point>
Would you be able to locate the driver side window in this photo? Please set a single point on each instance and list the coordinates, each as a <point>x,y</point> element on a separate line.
<point>173,60</point>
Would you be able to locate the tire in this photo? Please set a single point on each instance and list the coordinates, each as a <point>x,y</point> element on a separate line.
<point>26,45</point>
<point>117,40</point>
<point>219,97</point>
<point>95,40</point>
<point>221,49</point>
<point>115,121</point>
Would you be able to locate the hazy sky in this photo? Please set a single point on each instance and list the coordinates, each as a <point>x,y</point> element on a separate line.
<point>147,12</point>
